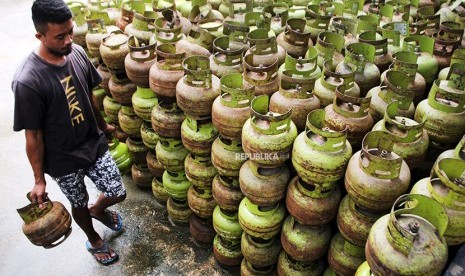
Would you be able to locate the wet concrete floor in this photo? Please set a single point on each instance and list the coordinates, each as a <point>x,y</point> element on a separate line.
<point>149,245</point>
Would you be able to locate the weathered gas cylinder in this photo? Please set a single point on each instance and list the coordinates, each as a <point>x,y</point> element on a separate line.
<point>137,149</point>
<point>129,121</point>
<point>350,113</point>
<point>263,186</point>
<point>227,193</point>
<point>227,156</point>
<point>143,102</point>
<point>395,89</point>
<point>446,40</point>
<point>154,166</point>
<point>231,109</point>
<point>159,192</point>
<point>344,257</point>
<point>304,243</point>
<point>406,62</point>
<point>411,141</point>
<point>120,153</point>
<point>423,46</point>
<point>201,230</point>
<point>347,27</point>
<point>142,176</point>
<point>445,185</point>
<point>197,90</point>
<point>457,57</point>
<point>261,222</point>
<point>227,252</point>
<point>296,37</point>
<point>226,57</point>
<point>96,32</point>
<point>395,32</point>
<point>360,56</point>
<point>318,17</point>
<point>296,94</point>
<point>312,204</point>
<point>320,155</point>
<point>201,202</point>
<point>167,119</point>
<point>178,210</point>
<point>330,46</point>
<point>279,15</point>
<point>226,224</point>
<point>198,135</point>
<point>169,27</point>
<point>263,77</point>
<point>47,226</point>
<point>458,152</point>
<point>375,175</point>
<point>102,69</point>
<point>410,240</point>
<point>121,88</point>
<point>354,222</point>
<point>444,112</point>
<point>289,266</point>
<point>171,153</point>
<point>267,137</point>
<point>330,80</point>
<point>199,170</point>
<point>264,48</point>
<point>248,269</point>
<point>139,60</point>
<point>142,26</point>
<point>305,66</point>
<point>80,29</point>
<point>260,252</point>
<point>176,184</point>
<point>382,57</point>
<point>111,108</point>
<point>113,50</point>
<point>167,71</point>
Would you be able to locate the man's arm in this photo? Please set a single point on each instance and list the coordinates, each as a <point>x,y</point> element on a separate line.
<point>102,125</point>
<point>35,153</point>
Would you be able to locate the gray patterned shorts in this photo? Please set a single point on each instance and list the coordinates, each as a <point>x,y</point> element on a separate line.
<point>105,175</point>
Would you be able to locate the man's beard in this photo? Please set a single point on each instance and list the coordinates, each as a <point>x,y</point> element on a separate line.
<point>64,52</point>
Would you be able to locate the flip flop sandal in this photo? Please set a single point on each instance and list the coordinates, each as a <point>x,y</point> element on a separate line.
<point>109,220</point>
<point>103,249</point>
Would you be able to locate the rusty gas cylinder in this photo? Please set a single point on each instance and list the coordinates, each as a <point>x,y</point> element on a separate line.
<point>201,202</point>
<point>296,37</point>
<point>159,192</point>
<point>167,118</point>
<point>199,170</point>
<point>197,135</point>
<point>411,141</point>
<point>320,155</point>
<point>139,60</point>
<point>48,226</point>
<point>288,266</point>
<point>171,153</point>
<point>165,73</point>
<point>344,257</point>
<point>350,113</point>
<point>129,121</point>
<point>263,186</point>
<point>226,192</point>
<point>409,240</point>
<point>375,175</point>
<point>354,222</point>
<point>201,230</point>
<point>305,243</point>
<point>227,57</point>
<point>178,210</point>
<point>141,176</point>
<point>113,50</point>
<point>231,108</point>
<point>312,204</point>
<point>260,252</point>
<point>446,186</point>
<point>267,137</point>
<point>121,88</point>
<point>227,156</point>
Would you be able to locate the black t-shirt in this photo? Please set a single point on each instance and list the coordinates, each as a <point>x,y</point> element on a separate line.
<point>57,99</point>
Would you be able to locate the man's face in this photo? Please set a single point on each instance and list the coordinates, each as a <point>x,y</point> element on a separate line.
<point>59,38</point>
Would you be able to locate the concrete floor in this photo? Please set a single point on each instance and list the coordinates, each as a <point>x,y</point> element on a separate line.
<point>150,245</point>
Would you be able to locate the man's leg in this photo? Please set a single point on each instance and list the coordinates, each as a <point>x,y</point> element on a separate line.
<point>106,177</point>
<point>73,187</point>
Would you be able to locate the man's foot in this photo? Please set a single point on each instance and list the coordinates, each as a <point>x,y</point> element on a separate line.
<point>110,219</point>
<point>103,254</point>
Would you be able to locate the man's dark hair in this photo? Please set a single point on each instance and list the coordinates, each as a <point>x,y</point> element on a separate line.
<point>49,11</point>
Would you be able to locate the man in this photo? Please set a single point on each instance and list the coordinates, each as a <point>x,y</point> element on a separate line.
<point>65,132</point>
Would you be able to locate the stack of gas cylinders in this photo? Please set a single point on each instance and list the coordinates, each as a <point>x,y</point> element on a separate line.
<point>319,137</point>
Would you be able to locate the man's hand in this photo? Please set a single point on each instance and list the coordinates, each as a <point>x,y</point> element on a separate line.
<point>38,194</point>
<point>108,130</point>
